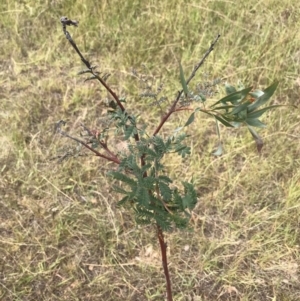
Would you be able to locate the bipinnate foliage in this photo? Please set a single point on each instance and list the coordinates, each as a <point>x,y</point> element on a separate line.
<point>150,192</point>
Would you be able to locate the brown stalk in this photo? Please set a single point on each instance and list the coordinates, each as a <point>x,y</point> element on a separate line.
<point>163,248</point>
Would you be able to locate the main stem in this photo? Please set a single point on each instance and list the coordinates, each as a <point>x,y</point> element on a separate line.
<point>163,248</point>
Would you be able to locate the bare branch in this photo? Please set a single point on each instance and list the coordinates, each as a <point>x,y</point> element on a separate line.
<point>196,68</point>
<point>58,129</point>
<point>211,48</point>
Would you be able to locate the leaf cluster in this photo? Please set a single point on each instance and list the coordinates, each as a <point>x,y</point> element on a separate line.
<point>239,107</point>
<point>149,191</point>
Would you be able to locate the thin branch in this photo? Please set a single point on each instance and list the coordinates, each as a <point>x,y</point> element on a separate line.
<point>112,159</point>
<point>103,145</point>
<point>66,22</point>
<point>209,50</point>
<point>196,68</point>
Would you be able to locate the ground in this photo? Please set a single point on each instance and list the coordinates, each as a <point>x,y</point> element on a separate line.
<point>62,237</point>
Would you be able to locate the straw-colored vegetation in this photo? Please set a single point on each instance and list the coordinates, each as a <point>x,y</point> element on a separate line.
<point>62,236</point>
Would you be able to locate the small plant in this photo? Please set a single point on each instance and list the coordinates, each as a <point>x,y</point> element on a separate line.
<point>145,185</point>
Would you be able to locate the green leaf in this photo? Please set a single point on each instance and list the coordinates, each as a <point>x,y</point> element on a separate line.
<point>121,177</point>
<point>236,124</point>
<point>149,182</point>
<point>192,117</point>
<point>183,82</point>
<point>150,152</point>
<point>235,97</point>
<point>129,131</point>
<point>240,108</point>
<point>183,150</point>
<point>229,89</point>
<point>189,189</point>
<point>143,216</point>
<point>187,202</point>
<point>143,196</point>
<point>241,115</point>
<point>258,113</point>
<point>202,97</point>
<point>219,150</point>
<point>120,190</point>
<point>268,92</point>
<point>165,191</point>
<point>179,221</point>
<point>159,145</point>
<point>145,167</point>
<point>256,93</point>
<point>178,129</point>
<point>223,121</point>
<point>123,201</point>
<point>224,107</point>
<point>133,166</point>
<point>255,122</point>
<point>257,139</point>
<point>165,179</point>
<point>190,120</point>
<point>90,78</point>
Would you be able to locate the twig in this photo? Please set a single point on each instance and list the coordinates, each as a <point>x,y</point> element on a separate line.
<point>66,22</point>
<point>103,145</point>
<point>173,107</point>
<point>112,159</point>
<point>209,50</point>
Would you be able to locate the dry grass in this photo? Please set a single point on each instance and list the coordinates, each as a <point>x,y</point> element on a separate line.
<point>61,235</point>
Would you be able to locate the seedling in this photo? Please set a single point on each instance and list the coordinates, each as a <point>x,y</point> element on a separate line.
<point>145,185</point>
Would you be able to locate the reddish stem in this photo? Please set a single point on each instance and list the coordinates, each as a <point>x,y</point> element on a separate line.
<point>163,248</point>
<point>113,158</point>
<point>165,118</point>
